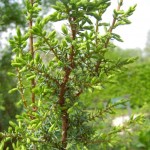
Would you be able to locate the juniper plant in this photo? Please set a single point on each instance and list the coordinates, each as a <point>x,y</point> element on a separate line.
<point>54,117</point>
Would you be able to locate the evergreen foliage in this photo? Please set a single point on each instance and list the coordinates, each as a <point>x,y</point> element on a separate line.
<point>6,101</point>
<point>10,16</point>
<point>55,117</point>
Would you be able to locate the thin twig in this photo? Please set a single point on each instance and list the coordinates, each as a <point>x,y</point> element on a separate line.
<point>33,84</point>
<point>110,31</point>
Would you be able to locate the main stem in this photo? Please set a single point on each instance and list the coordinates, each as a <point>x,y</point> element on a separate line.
<point>63,88</point>
<point>64,111</point>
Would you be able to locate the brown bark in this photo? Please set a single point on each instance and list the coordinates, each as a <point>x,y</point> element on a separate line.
<point>63,88</point>
<point>65,117</point>
<point>65,121</point>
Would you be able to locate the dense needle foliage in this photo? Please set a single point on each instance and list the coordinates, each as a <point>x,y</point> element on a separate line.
<point>54,116</point>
